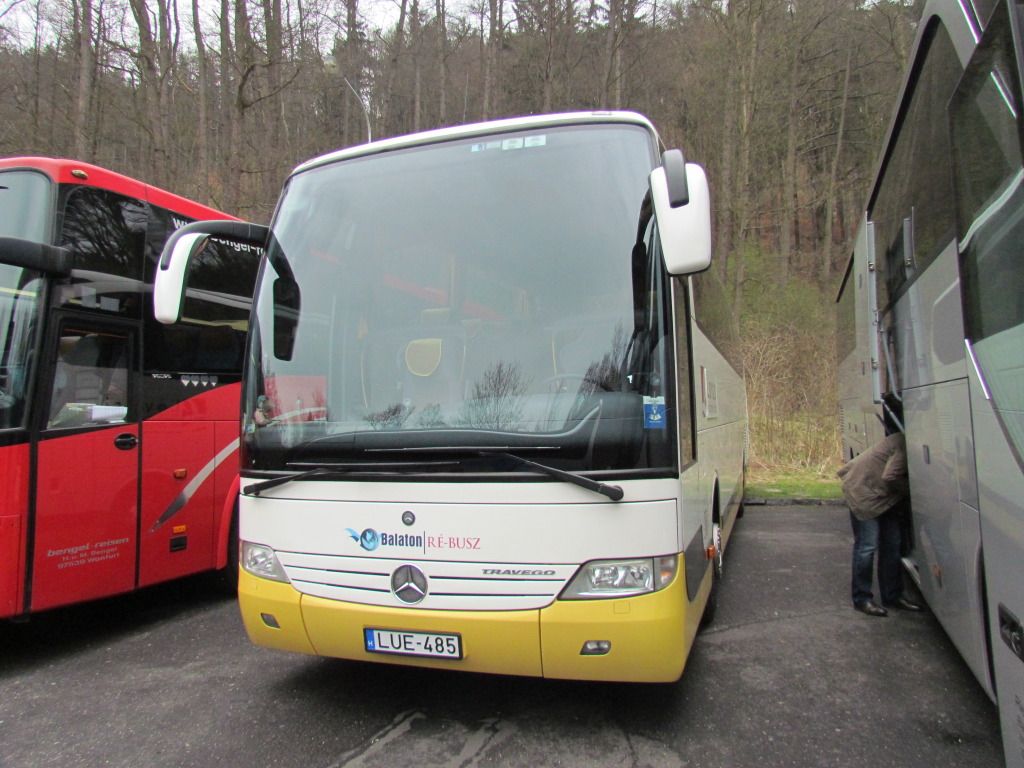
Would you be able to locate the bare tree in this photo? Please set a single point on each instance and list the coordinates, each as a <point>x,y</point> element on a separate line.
<point>85,76</point>
<point>441,12</point>
<point>203,78</point>
<point>155,59</point>
<point>391,73</point>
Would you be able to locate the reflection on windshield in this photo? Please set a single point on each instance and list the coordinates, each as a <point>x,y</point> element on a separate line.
<point>24,205</point>
<point>989,171</point>
<point>483,286</point>
<point>19,295</point>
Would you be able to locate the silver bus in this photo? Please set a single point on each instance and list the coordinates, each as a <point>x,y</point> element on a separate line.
<point>931,311</point>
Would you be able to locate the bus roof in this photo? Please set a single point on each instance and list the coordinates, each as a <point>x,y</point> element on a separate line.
<point>479,129</point>
<point>65,171</point>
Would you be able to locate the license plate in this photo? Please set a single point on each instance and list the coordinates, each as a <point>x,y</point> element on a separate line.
<point>434,645</point>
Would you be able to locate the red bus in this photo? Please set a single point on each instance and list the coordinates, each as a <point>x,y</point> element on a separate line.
<point>118,435</point>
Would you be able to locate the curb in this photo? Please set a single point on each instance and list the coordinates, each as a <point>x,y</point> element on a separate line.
<point>756,502</point>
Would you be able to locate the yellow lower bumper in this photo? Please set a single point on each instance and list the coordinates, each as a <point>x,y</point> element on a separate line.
<point>650,635</point>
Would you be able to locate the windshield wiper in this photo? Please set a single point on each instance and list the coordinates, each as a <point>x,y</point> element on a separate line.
<point>338,469</point>
<point>256,488</point>
<point>613,492</point>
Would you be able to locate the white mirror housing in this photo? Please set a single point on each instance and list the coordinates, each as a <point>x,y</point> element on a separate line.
<point>682,208</point>
<point>169,284</point>
<point>181,247</point>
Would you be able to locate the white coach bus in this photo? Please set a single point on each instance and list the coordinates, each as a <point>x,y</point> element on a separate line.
<point>494,415</point>
<point>931,310</point>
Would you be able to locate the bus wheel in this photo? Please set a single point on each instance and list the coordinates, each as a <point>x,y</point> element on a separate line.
<point>716,576</point>
<point>716,538</point>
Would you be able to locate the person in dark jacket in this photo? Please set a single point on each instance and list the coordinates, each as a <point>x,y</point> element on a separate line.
<point>876,488</point>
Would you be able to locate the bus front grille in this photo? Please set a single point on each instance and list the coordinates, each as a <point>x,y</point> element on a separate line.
<point>449,585</point>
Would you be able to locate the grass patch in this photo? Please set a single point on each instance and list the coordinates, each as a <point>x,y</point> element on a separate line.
<point>766,484</point>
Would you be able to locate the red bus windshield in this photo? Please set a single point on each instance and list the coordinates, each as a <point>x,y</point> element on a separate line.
<point>24,205</point>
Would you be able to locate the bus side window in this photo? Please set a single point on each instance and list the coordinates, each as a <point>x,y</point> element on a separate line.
<point>91,380</point>
<point>684,370</point>
<point>715,318</point>
<point>106,233</point>
<point>913,206</point>
<point>988,161</point>
<point>215,318</point>
<point>218,349</point>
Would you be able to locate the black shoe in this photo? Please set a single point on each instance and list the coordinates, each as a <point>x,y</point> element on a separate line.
<point>902,604</point>
<point>871,608</point>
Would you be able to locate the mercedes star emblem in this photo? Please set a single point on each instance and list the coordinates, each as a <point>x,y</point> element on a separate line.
<point>409,584</point>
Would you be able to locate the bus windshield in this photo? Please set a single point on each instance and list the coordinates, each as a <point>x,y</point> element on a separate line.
<point>474,295</point>
<point>20,293</point>
<point>25,205</point>
<point>24,213</point>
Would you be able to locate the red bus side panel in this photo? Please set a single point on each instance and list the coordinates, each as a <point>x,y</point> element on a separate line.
<point>13,514</point>
<point>190,458</point>
<point>86,517</point>
<point>178,503</point>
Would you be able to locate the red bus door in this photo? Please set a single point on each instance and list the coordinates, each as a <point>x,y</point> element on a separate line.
<point>85,523</point>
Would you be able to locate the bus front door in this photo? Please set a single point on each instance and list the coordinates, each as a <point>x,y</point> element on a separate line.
<point>85,525</point>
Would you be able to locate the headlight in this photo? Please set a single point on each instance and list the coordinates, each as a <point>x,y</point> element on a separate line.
<point>621,578</point>
<point>260,560</point>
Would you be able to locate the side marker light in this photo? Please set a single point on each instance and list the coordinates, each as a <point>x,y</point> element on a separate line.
<point>270,620</point>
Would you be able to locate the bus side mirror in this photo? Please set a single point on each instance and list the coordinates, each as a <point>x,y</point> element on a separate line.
<point>181,247</point>
<point>287,303</point>
<point>169,284</point>
<point>27,254</point>
<point>682,208</point>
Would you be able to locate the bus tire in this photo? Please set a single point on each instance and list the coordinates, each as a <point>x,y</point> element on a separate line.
<point>711,607</point>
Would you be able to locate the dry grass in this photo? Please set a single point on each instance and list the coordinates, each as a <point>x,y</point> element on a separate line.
<point>788,337</point>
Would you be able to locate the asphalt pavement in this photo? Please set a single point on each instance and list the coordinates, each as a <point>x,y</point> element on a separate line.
<point>787,675</point>
<point>818,683</point>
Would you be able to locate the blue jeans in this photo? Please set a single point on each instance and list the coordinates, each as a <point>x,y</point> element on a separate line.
<point>881,533</point>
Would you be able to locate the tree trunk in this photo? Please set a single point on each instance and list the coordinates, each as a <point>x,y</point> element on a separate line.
<point>789,170</point>
<point>148,61</point>
<point>227,193</point>
<point>416,45</point>
<point>748,62</point>
<point>396,53</point>
<point>203,187</point>
<point>274,65</point>
<point>442,61</point>
<point>612,61</point>
<point>827,238</point>
<point>85,77</point>
<point>492,59</point>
